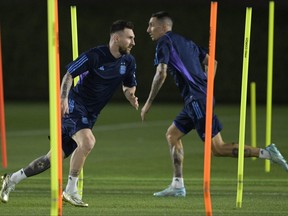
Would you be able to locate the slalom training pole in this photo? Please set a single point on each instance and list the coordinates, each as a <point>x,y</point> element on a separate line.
<point>209,109</point>
<point>269,80</point>
<point>74,31</point>
<point>253,115</point>
<point>54,108</point>
<point>58,112</point>
<point>2,112</point>
<point>243,107</point>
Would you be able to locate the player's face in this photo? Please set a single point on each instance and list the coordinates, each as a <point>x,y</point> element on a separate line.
<point>126,41</point>
<point>155,29</point>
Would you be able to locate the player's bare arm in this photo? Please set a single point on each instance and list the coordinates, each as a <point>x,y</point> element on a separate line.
<point>66,84</point>
<point>158,80</point>
<point>130,96</point>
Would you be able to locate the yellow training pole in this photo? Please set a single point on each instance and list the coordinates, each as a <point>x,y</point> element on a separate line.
<point>243,107</point>
<point>253,115</point>
<point>75,53</point>
<point>73,10</point>
<point>54,107</point>
<point>269,80</point>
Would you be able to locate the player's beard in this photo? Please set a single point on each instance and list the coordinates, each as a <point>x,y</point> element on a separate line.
<point>124,51</point>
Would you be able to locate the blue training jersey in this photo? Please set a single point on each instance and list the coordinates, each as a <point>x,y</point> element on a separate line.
<point>184,59</point>
<point>100,74</point>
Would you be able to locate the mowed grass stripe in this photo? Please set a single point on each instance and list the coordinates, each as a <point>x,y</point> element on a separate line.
<point>131,161</point>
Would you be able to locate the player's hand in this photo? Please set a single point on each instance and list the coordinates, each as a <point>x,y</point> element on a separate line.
<point>64,107</point>
<point>145,110</point>
<point>130,95</point>
<point>134,102</point>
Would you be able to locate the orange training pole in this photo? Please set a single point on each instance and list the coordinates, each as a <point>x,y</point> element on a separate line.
<point>2,113</point>
<point>209,109</point>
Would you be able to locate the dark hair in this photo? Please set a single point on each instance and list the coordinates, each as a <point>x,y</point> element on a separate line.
<point>161,15</point>
<point>120,25</point>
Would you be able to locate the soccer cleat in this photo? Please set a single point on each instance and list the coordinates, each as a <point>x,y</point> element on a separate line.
<point>7,187</point>
<point>170,191</point>
<point>276,156</point>
<point>74,199</point>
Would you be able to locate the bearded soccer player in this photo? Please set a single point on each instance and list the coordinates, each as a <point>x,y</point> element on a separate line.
<point>102,70</point>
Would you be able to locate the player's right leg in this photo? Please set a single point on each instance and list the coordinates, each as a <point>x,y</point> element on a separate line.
<point>85,141</point>
<point>171,191</point>
<point>176,188</point>
<point>78,125</point>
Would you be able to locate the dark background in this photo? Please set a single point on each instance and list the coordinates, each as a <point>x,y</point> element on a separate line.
<point>25,52</point>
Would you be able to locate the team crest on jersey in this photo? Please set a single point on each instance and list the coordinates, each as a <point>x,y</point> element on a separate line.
<point>122,69</point>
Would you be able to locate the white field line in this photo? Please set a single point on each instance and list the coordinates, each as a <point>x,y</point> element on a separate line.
<point>101,128</point>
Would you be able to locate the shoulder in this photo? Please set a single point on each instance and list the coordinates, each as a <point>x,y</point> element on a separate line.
<point>98,53</point>
<point>168,39</point>
<point>98,50</point>
<point>183,42</point>
<point>178,38</point>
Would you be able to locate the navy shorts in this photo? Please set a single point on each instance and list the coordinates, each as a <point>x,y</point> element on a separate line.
<point>77,119</point>
<point>193,117</point>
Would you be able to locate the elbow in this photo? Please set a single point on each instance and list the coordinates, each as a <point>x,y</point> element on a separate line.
<point>162,74</point>
<point>161,71</point>
<point>68,76</point>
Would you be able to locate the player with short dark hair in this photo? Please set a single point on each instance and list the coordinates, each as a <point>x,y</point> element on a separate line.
<point>187,63</point>
<point>101,69</point>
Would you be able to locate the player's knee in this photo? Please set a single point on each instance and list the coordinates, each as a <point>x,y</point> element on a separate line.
<point>88,144</point>
<point>169,137</point>
<point>216,153</point>
<point>216,150</point>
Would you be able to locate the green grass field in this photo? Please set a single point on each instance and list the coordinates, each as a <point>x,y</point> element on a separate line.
<point>130,161</point>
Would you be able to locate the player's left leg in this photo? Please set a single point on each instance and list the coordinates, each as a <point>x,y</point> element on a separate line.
<point>222,149</point>
<point>7,187</point>
<point>9,181</point>
<point>36,167</point>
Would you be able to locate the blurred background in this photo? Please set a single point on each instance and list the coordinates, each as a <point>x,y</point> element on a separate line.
<point>25,52</point>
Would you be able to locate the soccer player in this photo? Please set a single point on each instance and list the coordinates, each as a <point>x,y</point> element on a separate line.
<point>101,69</point>
<point>187,64</point>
